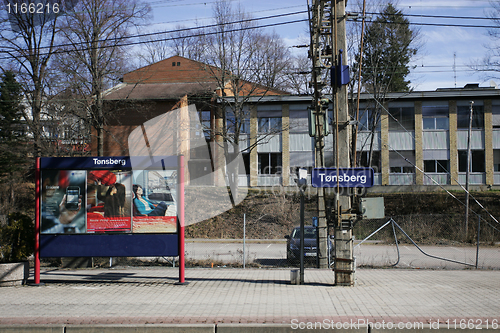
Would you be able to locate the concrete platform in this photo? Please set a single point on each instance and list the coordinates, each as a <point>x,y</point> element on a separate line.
<point>251,300</point>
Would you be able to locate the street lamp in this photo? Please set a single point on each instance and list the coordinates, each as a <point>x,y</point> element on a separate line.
<point>302,183</point>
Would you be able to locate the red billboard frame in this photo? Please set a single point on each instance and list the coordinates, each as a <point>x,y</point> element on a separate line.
<point>180,212</point>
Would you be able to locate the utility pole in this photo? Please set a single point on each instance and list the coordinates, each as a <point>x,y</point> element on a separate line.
<point>321,54</point>
<point>328,39</point>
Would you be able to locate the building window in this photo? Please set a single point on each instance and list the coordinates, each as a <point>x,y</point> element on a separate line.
<point>401,118</point>
<point>269,163</point>
<point>269,124</point>
<point>364,158</point>
<point>402,161</point>
<point>463,112</point>
<point>205,118</point>
<point>496,160</point>
<point>369,120</point>
<point>244,168</point>
<point>232,123</point>
<point>477,161</point>
<point>405,169</point>
<point>435,116</point>
<point>436,166</point>
<point>299,121</point>
<point>495,113</point>
<point>431,123</point>
<point>243,164</point>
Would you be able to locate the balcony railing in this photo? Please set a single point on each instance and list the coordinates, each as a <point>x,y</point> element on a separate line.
<point>475,178</point>
<point>269,180</point>
<point>436,178</point>
<point>401,178</point>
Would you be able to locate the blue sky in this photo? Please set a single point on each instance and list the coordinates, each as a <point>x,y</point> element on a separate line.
<point>442,46</point>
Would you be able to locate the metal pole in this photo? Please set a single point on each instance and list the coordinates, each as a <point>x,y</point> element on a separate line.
<point>37,221</point>
<point>468,172</point>
<point>301,236</point>
<point>244,238</point>
<point>478,233</point>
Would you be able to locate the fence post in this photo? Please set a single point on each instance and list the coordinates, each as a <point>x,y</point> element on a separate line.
<point>244,238</point>
<point>478,233</point>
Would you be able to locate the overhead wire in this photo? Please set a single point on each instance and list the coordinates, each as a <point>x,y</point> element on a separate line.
<point>245,28</point>
<point>183,30</point>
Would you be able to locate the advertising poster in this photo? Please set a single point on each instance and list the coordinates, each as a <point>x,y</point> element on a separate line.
<point>101,200</point>
<point>108,201</point>
<point>154,208</point>
<point>61,208</point>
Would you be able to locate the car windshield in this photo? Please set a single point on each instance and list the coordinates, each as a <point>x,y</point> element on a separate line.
<point>308,233</point>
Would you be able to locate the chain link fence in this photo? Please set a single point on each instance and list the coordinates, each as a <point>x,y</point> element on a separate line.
<point>412,241</point>
<point>426,231</point>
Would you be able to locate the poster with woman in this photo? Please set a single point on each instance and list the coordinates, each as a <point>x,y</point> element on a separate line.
<point>153,201</point>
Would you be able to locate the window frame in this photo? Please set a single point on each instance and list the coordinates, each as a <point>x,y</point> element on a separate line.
<point>269,168</point>
<point>266,125</point>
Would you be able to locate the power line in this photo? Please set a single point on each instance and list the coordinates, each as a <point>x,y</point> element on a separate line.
<point>210,18</point>
<point>452,17</point>
<point>177,31</point>
<point>433,16</point>
<point>249,28</point>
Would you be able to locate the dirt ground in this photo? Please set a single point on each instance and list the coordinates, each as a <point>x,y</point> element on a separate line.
<point>430,217</point>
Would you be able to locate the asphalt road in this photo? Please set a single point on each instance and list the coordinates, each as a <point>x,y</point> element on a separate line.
<point>273,253</point>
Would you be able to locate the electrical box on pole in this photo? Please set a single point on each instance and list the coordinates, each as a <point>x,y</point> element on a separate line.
<point>324,114</point>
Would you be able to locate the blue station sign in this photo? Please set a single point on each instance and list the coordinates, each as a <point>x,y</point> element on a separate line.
<point>345,177</point>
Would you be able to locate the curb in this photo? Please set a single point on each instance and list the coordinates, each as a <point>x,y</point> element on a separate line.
<point>225,328</point>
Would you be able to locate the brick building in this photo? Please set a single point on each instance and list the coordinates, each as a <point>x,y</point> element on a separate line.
<point>173,84</point>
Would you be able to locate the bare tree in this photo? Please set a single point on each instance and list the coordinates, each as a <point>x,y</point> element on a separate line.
<point>95,36</point>
<point>188,43</point>
<point>299,75</point>
<point>272,61</point>
<point>247,64</point>
<point>182,41</point>
<point>27,45</point>
<point>489,66</point>
<point>156,47</point>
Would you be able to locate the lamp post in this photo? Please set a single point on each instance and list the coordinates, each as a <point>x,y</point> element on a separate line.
<point>468,170</point>
<point>302,183</point>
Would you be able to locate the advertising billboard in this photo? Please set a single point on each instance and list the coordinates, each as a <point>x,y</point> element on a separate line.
<point>102,200</point>
<point>108,206</point>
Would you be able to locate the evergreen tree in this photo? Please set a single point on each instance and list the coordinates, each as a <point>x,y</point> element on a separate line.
<point>387,52</point>
<point>389,46</point>
<point>11,133</point>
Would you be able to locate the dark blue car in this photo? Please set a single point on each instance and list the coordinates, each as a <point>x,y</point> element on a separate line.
<point>310,244</point>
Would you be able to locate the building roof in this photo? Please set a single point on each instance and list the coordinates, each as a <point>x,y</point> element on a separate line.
<point>175,69</point>
<point>158,91</point>
<point>176,77</point>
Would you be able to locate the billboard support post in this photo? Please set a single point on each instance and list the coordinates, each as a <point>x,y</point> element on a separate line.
<point>181,222</point>
<point>37,222</point>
